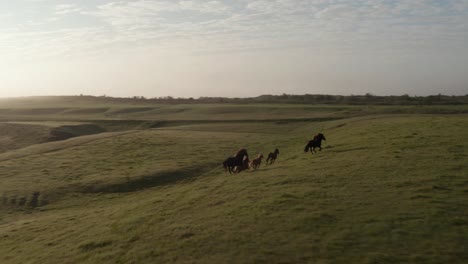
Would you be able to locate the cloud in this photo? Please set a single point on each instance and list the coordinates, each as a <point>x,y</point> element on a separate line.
<point>64,9</point>
<point>279,7</point>
<point>279,40</point>
<point>142,12</point>
<point>216,26</point>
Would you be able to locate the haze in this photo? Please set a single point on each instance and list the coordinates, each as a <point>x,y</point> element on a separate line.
<point>233,48</point>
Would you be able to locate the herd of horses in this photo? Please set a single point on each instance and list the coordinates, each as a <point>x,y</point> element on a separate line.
<point>240,161</point>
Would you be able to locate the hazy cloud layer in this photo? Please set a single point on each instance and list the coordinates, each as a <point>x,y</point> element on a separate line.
<point>51,30</point>
<point>63,26</point>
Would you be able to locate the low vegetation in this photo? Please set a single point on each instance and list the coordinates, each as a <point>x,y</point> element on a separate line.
<point>385,188</point>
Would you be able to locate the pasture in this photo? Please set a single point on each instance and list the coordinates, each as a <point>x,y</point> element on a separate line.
<point>145,184</point>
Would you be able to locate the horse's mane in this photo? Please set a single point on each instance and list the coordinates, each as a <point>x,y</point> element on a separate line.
<point>241,153</point>
<point>318,137</point>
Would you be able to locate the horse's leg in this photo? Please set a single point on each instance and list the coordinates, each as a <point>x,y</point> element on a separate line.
<point>234,169</point>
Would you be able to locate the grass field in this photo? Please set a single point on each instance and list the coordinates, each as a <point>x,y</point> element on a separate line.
<point>390,186</point>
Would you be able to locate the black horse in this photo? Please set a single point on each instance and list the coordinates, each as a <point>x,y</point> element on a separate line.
<point>245,165</point>
<point>272,157</point>
<point>315,143</point>
<point>238,162</point>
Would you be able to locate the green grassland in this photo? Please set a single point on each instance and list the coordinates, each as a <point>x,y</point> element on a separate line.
<point>389,186</point>
<point>96,109</point>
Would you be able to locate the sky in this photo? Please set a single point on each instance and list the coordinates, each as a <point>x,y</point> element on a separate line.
<point>233,48</point>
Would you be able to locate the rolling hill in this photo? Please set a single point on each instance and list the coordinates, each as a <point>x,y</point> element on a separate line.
<point>385,189</point>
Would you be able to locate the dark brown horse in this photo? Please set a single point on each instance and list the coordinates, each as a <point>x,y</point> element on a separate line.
<point>244,166</point>
<point>230,163</point>
<point>272,157</point>
<point>315,143</point>
<point>256,162</point>
<point>237,163</point>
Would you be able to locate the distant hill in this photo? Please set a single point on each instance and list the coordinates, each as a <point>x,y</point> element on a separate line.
<point>367,99</point>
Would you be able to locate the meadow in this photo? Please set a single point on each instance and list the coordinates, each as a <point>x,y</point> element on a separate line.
<point>143,183</point>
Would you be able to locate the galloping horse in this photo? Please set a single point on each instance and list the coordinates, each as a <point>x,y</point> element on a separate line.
<point>238,162</point>
<point>229,164</point>
<point>315,143</point>
<point>256,162</point>
<point>244,166</point>
<point>272,157</point>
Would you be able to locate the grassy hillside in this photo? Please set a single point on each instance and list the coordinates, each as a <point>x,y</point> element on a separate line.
<point>96,109</point>
<point>14,136</point>
<point>17,135</point>
<point>385,189</point>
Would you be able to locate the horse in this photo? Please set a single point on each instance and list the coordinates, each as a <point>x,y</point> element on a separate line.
<point>241,153</point>
<point>230,164</point>
<point>243,166</point>
<point>237,163</point>
<point>256,162</point>
<point>272,157</point>
<point>315,143</point>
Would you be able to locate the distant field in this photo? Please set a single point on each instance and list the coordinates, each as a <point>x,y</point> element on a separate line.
<point>79,109</point>
<point>390,186</point>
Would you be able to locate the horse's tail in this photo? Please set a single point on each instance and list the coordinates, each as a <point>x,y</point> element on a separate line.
<point>225,166</point>
<point>306,149</point>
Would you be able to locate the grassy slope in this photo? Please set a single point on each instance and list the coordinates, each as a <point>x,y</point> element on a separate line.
<point>14,136</point>
<point>17,135</point>
<point>384,190</point>
<point>84,108</point>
